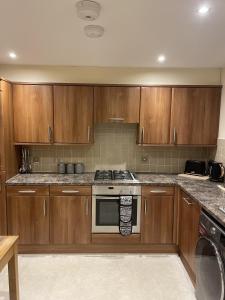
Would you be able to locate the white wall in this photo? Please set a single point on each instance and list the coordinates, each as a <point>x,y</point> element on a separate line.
<point>222,110</point>
<point>110,75</point>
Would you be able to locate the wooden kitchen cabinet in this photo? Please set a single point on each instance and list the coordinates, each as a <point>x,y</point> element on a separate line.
<point>28,215</point>
<point>189,230</point>
<point>73,114</point>
<point>116,104</point>
<point>155,114</point>
<point>157,215</point>
<point>195,115</point>
<point>33,113</point>
<point>70,219</point>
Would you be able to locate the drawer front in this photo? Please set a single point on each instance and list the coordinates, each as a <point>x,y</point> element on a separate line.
<point>157,190</point>
<point>27,190</point>
<point>70,190</point>
<point>187,200</point>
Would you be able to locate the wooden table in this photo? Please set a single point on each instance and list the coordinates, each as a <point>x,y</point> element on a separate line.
<point>8,255</point>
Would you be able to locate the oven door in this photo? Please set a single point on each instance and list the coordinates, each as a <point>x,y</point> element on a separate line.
<point>105,214</point>
<point>209,271</point>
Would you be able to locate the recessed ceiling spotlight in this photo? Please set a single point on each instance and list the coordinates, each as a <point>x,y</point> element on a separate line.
<point>161,58</point>
<point>12,55</point>
<point>203,10</point>
<point>94,31</point>
<point>88,10</point>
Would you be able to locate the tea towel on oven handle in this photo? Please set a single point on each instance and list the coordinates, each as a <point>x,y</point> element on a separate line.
<point>126,203</point>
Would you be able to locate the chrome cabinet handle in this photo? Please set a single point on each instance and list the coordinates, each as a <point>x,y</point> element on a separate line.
<point>44,207</point>
<point>142,135</point>
<point>187,201</point>
<point>116,119</point>
<point>89,131</point>
<point>145,207</point>
<point>174,136</point>
<point>49,133</point>
<point>70,192</point>
<point>157,191</point>
<point>87,207</point>
<point>27,192</point>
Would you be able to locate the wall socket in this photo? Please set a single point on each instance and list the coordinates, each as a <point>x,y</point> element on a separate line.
<point>36,160</point>
<point>144,158</point>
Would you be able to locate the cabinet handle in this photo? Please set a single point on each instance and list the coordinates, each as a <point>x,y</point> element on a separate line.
<point>87,207</point>
<point>44,208</point>
<point>145,207</point>
<point>187,201</point>
<point>89,131</point>
<point>27,192</point>
<point>142,135</point>
<point>116,119</point>
<point>70,192</point>
<point>157,191</point>
<point>49,133</point>
<point>174,136</point>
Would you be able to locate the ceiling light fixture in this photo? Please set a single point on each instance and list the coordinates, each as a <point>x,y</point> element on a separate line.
<point>203,10</point>
<point>94,31</point>
<point>161,58</point>
<point>12,55</point>
<point>88,10</point>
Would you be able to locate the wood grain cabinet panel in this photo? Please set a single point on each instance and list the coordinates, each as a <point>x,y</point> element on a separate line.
<point>73,114</point>
<point>195,115</point>
<point>70,220</point>
<point>155,115</point>
<point>157,218</point>
<point>28,217</point>
<point>33,113</point>
<point>189,229</point>
<point>116,104</point>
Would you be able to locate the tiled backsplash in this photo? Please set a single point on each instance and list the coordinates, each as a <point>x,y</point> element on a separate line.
<point>115,147</point>
<point>220,151</point>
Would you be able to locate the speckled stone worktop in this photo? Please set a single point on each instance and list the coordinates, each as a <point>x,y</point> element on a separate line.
<point>207,193</point>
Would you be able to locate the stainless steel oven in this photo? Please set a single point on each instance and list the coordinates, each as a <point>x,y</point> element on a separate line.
<point>105,208</point>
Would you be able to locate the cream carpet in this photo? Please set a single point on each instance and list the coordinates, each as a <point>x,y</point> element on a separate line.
<point>100,277</point>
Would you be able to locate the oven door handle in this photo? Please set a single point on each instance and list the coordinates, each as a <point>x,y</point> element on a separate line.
<point>107,198</point>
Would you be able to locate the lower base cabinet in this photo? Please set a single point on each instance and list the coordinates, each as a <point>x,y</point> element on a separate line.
<point>70,220</point>
<point>157,215</point>
<point>189,229</point>
<point>28,217</point>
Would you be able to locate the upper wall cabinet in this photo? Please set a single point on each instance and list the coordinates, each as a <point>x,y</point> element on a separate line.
<point>33,113</point>
<point>155,115</point>
<point>73,114</point>
<point>195,115</point>
<point>117,104</point>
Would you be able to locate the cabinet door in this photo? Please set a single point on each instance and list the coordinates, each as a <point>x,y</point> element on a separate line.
<point>189,227</point>
<point>33,113</point>
<point>155,115</point>
<point>70,220</point>
<point>73,114</point>
<point>117,104</point>
<point>157,226</point>
<point>195,116</point>
<point>28,217</point>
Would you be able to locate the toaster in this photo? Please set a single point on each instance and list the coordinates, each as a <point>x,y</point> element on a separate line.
<point>195,167</point>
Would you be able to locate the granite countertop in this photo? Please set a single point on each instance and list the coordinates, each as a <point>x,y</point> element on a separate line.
<point>207,193</point>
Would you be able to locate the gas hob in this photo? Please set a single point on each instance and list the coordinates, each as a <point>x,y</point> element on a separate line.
<point>114,175</point>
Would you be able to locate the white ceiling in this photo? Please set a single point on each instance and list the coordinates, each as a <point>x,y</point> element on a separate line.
<point>48,32</point>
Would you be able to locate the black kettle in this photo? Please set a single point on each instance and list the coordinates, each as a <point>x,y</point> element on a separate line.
<point>216,171</point>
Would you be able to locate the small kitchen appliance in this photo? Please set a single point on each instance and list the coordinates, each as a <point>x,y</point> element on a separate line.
<point>195,167</point>
<point>216,171</point>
